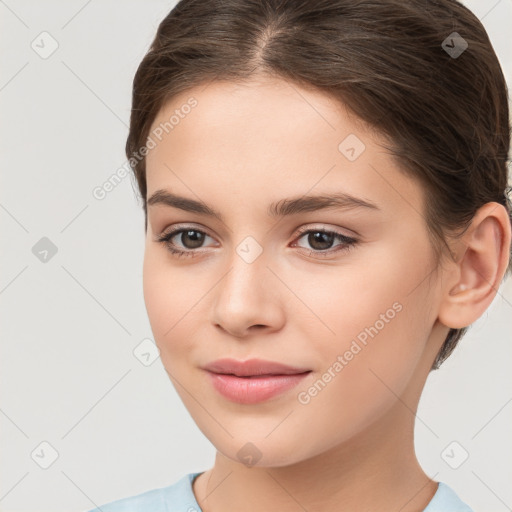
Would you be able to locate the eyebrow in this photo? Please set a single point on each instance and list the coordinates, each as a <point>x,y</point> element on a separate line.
<point>282,208</point>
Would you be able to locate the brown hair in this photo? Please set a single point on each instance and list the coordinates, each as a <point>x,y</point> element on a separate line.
<point>394,63</point>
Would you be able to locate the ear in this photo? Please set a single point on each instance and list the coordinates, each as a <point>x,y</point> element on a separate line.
<point>474,278</point>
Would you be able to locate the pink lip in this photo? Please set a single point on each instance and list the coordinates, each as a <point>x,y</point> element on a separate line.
<point>254,380</point>
<point>252,367</point>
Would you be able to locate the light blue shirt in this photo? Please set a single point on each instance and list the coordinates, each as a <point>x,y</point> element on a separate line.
<point>179,497</point>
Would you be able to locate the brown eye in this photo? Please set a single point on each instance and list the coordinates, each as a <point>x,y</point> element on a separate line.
<point>188,240</point>
<point>320,242</point>
<point>191,238</point>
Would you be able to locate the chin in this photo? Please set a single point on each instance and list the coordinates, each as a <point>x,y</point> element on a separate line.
<point>260,452</point>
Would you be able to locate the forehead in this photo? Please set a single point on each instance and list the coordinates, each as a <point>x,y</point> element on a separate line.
<point>272,138</point>
<point>264,105</point>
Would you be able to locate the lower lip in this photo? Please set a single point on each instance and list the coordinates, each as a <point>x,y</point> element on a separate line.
<point>252,390</point>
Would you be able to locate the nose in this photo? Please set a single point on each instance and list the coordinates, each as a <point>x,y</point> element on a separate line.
<point>248,299</point>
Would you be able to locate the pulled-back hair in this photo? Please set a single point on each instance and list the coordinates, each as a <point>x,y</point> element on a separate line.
<point>395,63</point>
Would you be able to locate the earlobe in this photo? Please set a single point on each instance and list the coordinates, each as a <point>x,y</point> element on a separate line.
<point>480,269</point>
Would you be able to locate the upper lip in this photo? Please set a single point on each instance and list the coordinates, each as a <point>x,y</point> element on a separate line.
<point>252,367</point>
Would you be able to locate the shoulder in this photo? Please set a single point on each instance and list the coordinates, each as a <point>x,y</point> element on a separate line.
<point>178,496</point>
<point>446,500</point>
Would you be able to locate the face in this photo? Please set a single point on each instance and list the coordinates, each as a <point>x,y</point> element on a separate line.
<point>340,289</point>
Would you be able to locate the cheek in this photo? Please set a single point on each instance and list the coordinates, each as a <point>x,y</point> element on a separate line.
<point>375,296</point>
<point>156,287</point>
<point>378,317</point>
<point>167,297</point>
<point>175,306</point>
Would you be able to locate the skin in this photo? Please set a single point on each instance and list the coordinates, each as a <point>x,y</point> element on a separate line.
<point>242,147</point>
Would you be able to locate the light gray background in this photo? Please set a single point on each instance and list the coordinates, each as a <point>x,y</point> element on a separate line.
<point>70,325</point>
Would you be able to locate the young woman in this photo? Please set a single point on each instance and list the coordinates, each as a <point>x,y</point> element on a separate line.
<point>325,191</point>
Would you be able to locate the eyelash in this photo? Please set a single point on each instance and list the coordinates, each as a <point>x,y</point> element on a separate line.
<point>348,242</point>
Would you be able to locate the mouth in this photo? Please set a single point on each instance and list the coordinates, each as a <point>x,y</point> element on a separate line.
<point>260,376</point>
<point>253,389</point>
<point>253,381</point>
<point>253,368</point>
